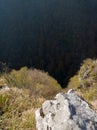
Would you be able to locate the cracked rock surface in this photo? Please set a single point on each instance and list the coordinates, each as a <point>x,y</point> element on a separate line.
<point>66,112</point>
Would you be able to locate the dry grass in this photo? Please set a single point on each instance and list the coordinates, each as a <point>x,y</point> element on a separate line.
<point>39,82</point>
<point>94,104</point>
<point>27,91</point>
<point>85,81</point>
<point>17,109</point>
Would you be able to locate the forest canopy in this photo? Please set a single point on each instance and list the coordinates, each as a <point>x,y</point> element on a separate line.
<point>55,36</point>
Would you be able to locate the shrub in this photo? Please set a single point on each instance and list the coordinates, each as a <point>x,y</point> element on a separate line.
<point>86,80</point>
<point>74,82</point>
<point>28,90</point>
<point>39,82</point>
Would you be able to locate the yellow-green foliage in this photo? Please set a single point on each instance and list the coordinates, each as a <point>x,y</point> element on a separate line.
<point>91,94</point>
<point>3,101</point>
<point>17,78</point>
<point>2,82</point>
<point>74,81</point>
<point>86,80</point>
<point>28,88</point>
<point>39,82</point>
<point>17,109</point>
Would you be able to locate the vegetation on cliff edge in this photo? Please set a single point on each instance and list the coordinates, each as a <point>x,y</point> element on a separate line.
<point>21,93</point>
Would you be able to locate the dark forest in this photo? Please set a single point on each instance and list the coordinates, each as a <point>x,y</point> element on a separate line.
<point>51,35</point>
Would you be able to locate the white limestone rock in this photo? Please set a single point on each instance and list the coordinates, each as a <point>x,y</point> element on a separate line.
<point>66,112</point>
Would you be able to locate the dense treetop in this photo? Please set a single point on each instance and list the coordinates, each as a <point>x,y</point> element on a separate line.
<point>50,35</point>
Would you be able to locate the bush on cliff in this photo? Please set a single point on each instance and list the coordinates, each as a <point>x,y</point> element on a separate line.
<point>26,91</point>
<point>39,82</point>
<point>85,81</point>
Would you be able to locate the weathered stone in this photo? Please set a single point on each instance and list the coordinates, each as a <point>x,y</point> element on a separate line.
<point>66,112</point>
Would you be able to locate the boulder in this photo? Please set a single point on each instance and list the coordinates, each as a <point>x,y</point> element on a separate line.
<point>66,112</point>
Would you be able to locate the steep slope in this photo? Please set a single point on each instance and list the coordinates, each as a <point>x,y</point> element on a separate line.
<point>85,81</point>
<point>21,93</point>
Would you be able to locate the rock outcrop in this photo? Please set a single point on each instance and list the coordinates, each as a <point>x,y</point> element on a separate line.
<point>66,112</point>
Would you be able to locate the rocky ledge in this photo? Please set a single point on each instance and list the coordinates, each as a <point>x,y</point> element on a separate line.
<point>66,112</point>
